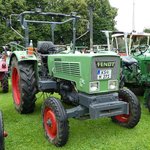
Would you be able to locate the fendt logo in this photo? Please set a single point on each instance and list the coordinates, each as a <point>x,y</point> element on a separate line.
<point>103,64</point>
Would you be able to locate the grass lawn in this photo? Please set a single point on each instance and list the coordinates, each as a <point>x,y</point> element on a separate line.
<point>26,131</point>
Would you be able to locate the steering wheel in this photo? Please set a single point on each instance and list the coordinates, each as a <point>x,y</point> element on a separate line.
<point>140,48</point>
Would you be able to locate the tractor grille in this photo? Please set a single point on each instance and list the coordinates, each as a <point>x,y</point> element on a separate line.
<point>68,68</point>
<point>114,69</point>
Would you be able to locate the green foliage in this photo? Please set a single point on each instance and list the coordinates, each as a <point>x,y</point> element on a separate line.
<point>147,30</point>
<point>104,16</point>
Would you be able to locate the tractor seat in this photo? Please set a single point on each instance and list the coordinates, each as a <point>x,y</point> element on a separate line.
<point>46,47</point>
<point>128,60</point>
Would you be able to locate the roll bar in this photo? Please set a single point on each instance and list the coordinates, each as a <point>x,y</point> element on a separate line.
<point>24,23</point>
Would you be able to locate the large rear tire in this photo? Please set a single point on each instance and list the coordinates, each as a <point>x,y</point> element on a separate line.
<point>4,83</point>
<point>2,145</point>
<point>55,122</point>
<point>132,119</point>
<point>23,86</point>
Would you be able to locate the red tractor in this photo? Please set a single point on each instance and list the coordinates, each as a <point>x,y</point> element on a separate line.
<point>4,71</point>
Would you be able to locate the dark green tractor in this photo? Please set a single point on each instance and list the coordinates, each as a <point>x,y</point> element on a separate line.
<point>87,81</point>
<point>135,52</point>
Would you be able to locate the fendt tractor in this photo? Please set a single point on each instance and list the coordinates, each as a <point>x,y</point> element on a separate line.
<point>3,70</point>
<point>135,52</point>
<point>88,81</point>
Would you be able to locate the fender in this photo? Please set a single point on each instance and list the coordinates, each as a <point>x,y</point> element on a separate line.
<point>22,56</point>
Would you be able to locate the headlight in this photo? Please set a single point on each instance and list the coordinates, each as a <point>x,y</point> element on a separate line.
<point>113,85</point>
<point>94,86</point>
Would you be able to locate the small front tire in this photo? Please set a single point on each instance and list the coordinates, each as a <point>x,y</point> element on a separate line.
<point>132,119</point>
<point>55,122</point>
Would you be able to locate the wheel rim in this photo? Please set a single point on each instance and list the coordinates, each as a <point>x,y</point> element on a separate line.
<point>50,123</point>
<point>124,117</point>
<point>15,86</point>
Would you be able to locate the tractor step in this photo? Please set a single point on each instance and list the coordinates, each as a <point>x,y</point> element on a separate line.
<point>108,109</point>
<point>47,85</point>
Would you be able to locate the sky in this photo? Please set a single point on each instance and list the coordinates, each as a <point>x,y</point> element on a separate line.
<point>125,12</point>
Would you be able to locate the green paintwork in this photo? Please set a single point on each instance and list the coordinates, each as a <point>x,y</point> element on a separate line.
<point>20,52</point>
<point>137,46</point>
<point>23,56</point>
<point>83,76</point>
<point>144,64</point>
<point>141,75</point>
<point>78,67</point>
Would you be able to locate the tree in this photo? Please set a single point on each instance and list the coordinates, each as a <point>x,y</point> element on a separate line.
<point>147,30</point>
<point>104,16</point>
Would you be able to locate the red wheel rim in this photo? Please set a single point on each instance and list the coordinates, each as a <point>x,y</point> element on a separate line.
<point>124,117</point>
<point>50,123</point>
<point>15,86</point>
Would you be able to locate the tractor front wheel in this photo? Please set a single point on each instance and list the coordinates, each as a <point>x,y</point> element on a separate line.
<point>132,119</point>
<point>4,83</point>
<point>23,86</point>
<point>55,122</point>
<point>1,132</point>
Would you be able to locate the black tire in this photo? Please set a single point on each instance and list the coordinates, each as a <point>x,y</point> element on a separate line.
<point>4,83</point>
<point>55,122</point>
<point>2,145</point>
<point>131,120</point>
<point>23,86</point>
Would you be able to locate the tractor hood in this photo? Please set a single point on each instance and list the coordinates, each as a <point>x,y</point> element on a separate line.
<point>86,70</point>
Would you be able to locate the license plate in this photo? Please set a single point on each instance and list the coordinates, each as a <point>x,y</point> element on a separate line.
<point>104,74</point>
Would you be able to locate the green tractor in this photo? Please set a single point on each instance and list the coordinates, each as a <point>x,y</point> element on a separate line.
<point>135,53</point>
<point>92,91</point>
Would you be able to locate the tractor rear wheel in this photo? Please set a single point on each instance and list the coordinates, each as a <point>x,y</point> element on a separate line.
<point>23,86</point>
<point>4,83</point>
<point>55,122</point>
<point>132,119</point>
<point>1,132</point>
